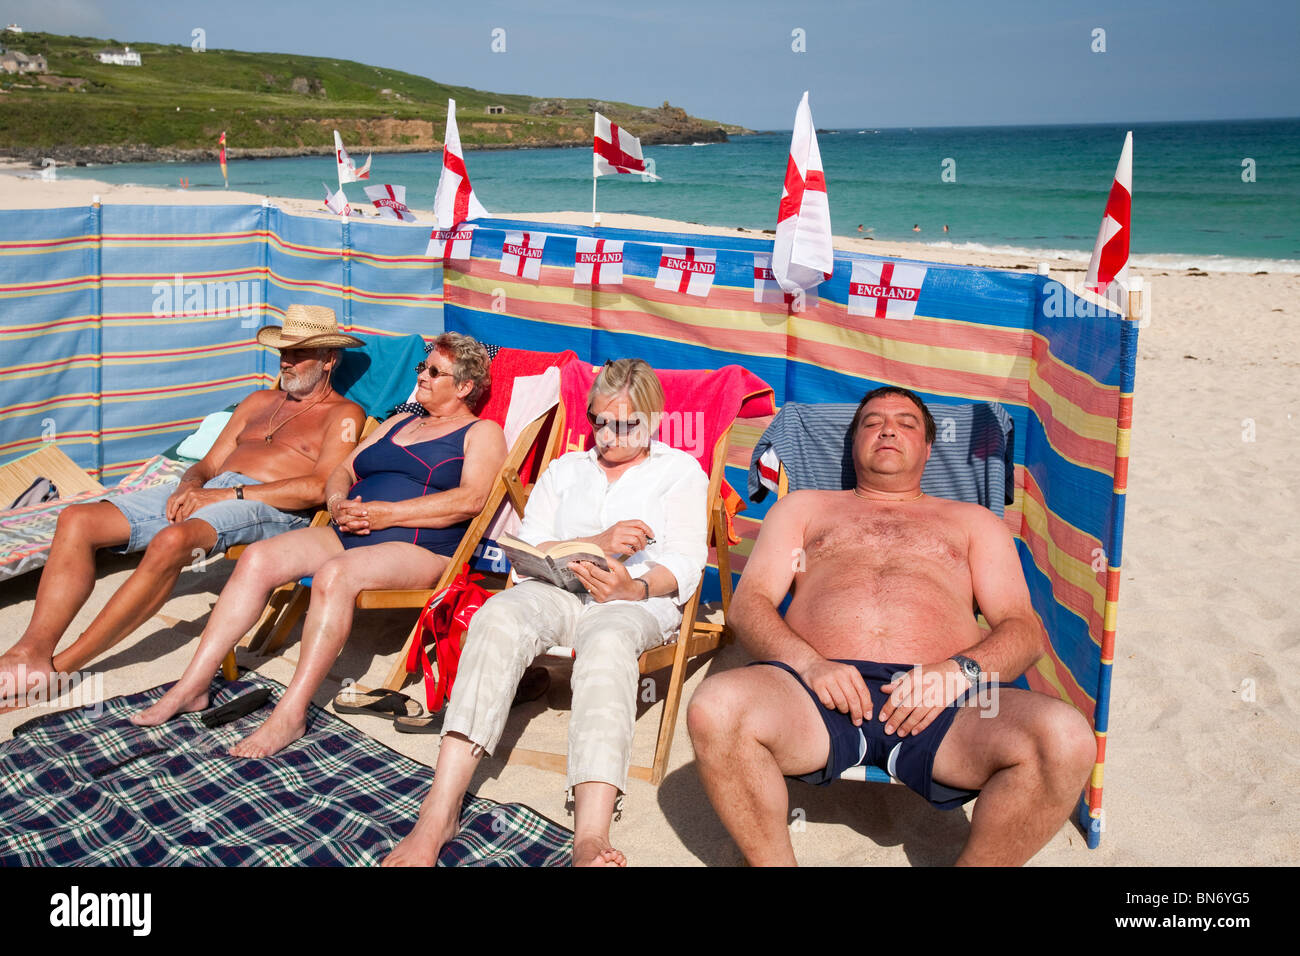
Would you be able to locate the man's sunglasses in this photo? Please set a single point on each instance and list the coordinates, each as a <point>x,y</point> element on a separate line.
<point>619,426</point>
<point>433,370</point>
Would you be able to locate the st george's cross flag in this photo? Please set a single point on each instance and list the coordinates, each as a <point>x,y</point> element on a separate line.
<point>454,201</point>
<point>521,254</point>
<point>222,143</point>
<point>885,290</point>
<point>390,201</point>
<point>1109,263</point>
<point>802,255</point>
<point>616,151</point>
<point>598,262</point>
<point>766,288</point>
<point>686,269</point>
<point>337,203</point>
<point>450,243</point>
<point>348,172</point>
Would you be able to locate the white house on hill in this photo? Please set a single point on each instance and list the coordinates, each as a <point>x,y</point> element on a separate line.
<point>123,57</point>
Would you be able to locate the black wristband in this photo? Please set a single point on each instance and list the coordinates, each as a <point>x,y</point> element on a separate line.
<point>239,492</point>
<point>645,584</point>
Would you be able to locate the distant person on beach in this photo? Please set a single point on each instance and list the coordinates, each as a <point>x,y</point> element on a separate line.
<point>878,651</point>
<point>264,475</point>
<point>916,227</point>
<point>399,504</point>
<point>642,504</point>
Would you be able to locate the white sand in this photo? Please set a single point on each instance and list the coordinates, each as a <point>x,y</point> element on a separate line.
<point>1203,763</point>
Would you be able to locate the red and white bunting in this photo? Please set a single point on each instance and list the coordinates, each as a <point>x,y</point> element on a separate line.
<point>348,172</point>
<point>598,262</point>
<point>686,269</point>
<point>766,289</point>
<point>454,202</point>
<point>337,203</point>
<point>1110,255</point>
<point>885,290</point>
<point>390,201</point>
<point>450,243</point>
<point>802,254</point>
<point>521,254</point>
<point>616,151</point>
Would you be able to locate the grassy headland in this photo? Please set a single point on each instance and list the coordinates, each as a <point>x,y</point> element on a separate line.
<point>275,104</point>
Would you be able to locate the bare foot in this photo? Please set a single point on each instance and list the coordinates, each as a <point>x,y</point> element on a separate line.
<point>596,851</point>
<point>422,845</point>
<point>177,700</point>
<point>24,680</point>
<point>276,733</point>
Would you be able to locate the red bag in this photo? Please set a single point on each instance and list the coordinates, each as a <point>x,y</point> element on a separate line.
<point>444,620</point>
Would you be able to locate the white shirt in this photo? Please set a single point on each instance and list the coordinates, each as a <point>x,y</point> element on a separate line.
<point>668,491</point>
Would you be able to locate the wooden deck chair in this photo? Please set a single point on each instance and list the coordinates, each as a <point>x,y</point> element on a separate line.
<point>974,464</point>
<point>696,637</point>
<point>543,432</point>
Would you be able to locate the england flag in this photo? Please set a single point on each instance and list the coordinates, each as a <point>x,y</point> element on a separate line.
<point>885,290</point>
<point>616,151</point>
<point>390,201</point>
<point>454,202</point>
<point>802,255</point>
<point>450,243</point>
<point>598,262</point>
<point>686,269</point>
<point>348,172</point>
<point>521,254</point>
<point>337,203</point>
<point>1108,270</point>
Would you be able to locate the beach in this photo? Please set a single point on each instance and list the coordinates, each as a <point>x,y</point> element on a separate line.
<point>1203,758</point>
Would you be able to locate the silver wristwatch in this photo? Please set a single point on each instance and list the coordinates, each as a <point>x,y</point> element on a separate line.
<point>970,668</point>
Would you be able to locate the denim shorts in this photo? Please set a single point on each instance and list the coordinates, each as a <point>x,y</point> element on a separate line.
<point>234,521</point>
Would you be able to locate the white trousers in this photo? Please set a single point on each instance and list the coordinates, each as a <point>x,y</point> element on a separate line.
<point>512,628</point>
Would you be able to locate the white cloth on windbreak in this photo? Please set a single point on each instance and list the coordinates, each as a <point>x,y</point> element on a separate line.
<point>668,491</point>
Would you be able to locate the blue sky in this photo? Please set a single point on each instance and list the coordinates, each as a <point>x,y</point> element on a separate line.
<point>903,63</point>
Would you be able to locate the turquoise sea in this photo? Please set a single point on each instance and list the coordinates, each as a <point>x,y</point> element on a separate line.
<point>1029,190</point>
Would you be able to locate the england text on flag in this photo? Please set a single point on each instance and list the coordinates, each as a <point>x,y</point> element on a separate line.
<point>454,202</point>
<point>686,269</point>
<point>1108,270</point>
<point>390,201</point>
<point>450,243</point>
<point>348,172</point>
<point>802,254</point>
<point>766,288</point>
<point>521,254</point>
<point>616,151</point>
<point>598,262</point>
<point>885,290</point>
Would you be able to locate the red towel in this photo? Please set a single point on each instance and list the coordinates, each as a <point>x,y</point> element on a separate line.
<point>508,365</point>
<point>699,405</point>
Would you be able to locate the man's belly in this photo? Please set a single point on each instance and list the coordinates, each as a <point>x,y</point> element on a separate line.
<point>273,462</point>
<point>894,616</point>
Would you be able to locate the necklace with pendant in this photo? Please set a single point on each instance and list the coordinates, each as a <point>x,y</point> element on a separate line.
<point>271,432</point>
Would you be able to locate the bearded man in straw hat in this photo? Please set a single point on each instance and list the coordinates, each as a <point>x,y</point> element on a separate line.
<point>265,474</point>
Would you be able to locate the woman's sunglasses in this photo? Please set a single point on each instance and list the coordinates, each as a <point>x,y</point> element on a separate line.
<point>433,370</point>
<point>622,427</point>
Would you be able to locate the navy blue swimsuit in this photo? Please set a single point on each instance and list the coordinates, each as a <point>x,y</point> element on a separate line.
<point>390,472</point>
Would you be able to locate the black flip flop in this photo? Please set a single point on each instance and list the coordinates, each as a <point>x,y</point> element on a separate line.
<point>428,724</point>
<point>376,703</point>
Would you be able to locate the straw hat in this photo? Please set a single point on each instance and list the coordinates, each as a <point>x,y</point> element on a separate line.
<point>307,327</point>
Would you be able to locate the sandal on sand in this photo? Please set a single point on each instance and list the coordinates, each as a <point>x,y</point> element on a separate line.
<point>428,724</point>
<point>378,703</point>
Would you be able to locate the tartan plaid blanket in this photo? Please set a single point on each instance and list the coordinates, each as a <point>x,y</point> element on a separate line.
<point>76,789</point>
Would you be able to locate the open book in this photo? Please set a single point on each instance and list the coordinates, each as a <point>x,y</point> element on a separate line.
<point>552,565</point>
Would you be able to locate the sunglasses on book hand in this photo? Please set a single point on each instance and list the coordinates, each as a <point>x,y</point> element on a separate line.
<point>622,427</point>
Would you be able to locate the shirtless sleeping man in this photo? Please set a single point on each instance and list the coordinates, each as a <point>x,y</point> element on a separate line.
<point>265,474</point>
<point>877,645</point>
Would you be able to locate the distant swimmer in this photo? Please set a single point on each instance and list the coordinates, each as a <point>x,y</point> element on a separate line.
<point>916,227</point>
<point>945,227</point>
<point>859,227</point>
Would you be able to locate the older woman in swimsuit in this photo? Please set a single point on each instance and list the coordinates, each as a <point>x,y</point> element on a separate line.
<point>400,504</point>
